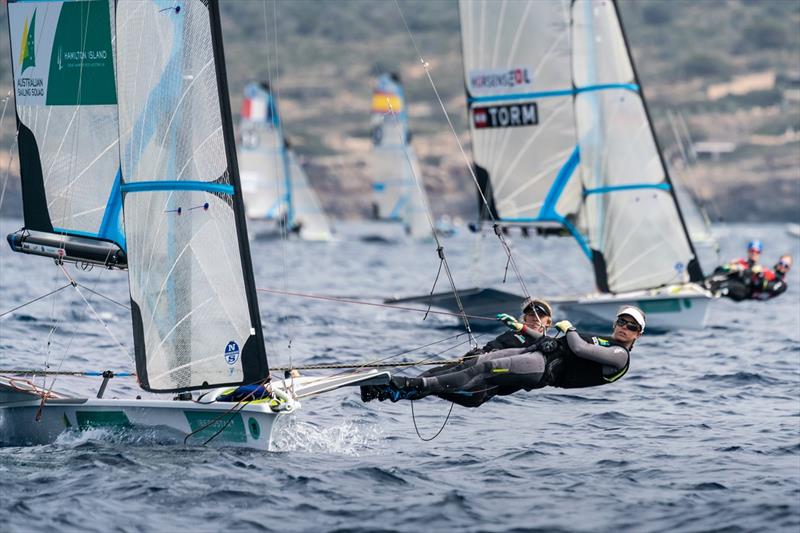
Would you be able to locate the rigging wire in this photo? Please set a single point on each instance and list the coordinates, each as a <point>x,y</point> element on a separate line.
<point>373,304</point>
<point>272,70</point>
<point>439,248</point>
<point>425,66</point>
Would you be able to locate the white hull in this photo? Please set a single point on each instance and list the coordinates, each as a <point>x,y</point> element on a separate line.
<point>247,425</point>
<point>669,308</point>
<point>250,427</point>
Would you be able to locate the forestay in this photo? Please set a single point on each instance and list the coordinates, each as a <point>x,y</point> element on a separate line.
<point>64,89</point>
<point>274,184</point>
<point>394,162</point>
<point>195,315</point>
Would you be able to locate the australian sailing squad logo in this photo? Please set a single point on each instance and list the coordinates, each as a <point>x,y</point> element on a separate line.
<point>28,86</point>
<point>505,116</point>
<point>231,353</point>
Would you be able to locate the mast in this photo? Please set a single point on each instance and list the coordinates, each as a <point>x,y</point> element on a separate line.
<point>256,366</point>
<point>694,269</point>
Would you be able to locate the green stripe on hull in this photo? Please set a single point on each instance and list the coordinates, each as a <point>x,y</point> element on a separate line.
<point>215,421</point>
<point>101,419</point>
<point>664,306</point>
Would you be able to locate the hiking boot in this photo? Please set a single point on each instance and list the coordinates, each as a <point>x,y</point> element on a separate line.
<point>374,392</point>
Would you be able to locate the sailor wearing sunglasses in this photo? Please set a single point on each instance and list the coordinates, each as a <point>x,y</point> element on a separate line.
<point>571,361</point>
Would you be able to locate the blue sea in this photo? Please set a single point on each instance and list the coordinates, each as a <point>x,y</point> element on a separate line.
<point>702,434</point>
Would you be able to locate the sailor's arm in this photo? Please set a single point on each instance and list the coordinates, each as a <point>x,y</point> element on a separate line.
<point>518,327</point>
<point>613,356</point>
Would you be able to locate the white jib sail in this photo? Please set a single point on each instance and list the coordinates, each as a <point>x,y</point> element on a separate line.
<point>190,307</point>
<point>630,212</point>
<point>306,208</point>
<point>394,164</point>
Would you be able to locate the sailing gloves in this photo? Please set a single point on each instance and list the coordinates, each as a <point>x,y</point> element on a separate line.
<point>564,326</point>
<point>510,322</point>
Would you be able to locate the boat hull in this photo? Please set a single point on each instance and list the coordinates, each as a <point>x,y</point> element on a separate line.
<point>248,427</point>
<point>670,308</point>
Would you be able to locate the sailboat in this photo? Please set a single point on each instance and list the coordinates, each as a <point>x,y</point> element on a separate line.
<point>394,165</point>
<point>697,220</point>
<point>563,142</point>
<point>168,162</point>
<point>274,184</point>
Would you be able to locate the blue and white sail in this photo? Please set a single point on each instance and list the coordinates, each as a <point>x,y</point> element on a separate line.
<point>394,165</point>
<point>195,314</point>
<point>561,135</point>
<point>66,109</point>
<point>274,184</point>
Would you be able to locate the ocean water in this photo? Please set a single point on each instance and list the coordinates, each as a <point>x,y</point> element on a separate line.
<point>702,434</point>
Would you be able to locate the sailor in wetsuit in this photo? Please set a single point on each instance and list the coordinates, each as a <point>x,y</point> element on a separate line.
<point>571,361</point>
<point>768,283</point>
<point>536,314</point>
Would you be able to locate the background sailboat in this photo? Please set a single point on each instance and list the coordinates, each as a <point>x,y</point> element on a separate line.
<point>394,162</point>
<point>195,316</point>
<point>562,139</point>
<point>274,184</point>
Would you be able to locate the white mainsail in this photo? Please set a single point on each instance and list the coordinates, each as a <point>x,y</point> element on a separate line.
<point>517,73</point>
<point>194,310</point>
<point>274,184</point>
<point>394,162</point>
<point>561,134</point>
<point>68,130</point>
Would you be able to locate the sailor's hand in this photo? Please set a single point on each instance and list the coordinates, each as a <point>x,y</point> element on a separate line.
<point>510,322</point>
<point>757,269</point>
<point>564,326</point>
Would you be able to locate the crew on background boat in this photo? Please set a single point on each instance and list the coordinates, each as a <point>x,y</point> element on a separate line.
<point>571,361</point>
<point>769,283</point>
<point>746,279</point>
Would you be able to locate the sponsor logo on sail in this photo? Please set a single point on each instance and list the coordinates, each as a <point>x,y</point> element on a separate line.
<point>505,116</point>
<point>231,353</point>
<point>511,78</point>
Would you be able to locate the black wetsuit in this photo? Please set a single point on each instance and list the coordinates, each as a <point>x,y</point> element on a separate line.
<point>509,339</point>
<point>572,361</point>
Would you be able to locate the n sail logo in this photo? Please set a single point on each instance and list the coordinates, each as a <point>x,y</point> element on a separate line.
<point>27,52</point>
<point>505,116</point>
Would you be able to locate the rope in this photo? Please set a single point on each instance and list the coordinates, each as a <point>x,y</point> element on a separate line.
<point>414,419</point>
<point>373,304</point>
<point>425,66</point>
<point>35,300</point>
<point>122,305</point>
<point>439,247</point>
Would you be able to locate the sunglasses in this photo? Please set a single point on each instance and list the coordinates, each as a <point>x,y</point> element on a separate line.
<point>630,326</point>
<point>537,310</point>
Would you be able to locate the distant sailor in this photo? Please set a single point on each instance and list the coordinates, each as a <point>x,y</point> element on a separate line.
<point>768,283</point>
<point>746,279</point>
<point>571,361</point>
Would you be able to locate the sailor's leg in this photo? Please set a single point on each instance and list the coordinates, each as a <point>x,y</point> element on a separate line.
<point>470,359</point>
<point>514,372</point>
